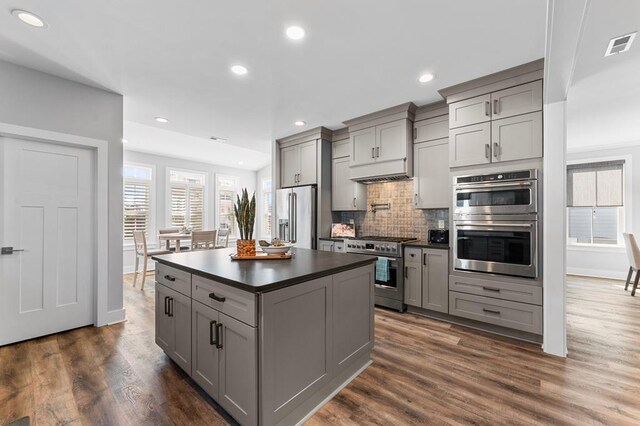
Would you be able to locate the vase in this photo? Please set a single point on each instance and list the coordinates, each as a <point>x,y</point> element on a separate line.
<point>246,247</point>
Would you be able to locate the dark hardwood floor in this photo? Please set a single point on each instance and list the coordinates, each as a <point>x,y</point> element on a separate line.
<point>424,371</point>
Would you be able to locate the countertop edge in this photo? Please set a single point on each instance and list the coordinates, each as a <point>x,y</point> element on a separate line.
<point>427,244</point>
<point>267,287</point>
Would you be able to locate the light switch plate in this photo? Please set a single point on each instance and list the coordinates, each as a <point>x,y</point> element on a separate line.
<point>441,224</point>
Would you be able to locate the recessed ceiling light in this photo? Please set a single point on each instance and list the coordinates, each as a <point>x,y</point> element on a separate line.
<point>29,18</point>
<point>425,78</point>
<point>161,120</point>
<point>239,70</point>
<point>300,123</point>
<point>295,32</point>
<point>241,162</point>
<point>125,141</point>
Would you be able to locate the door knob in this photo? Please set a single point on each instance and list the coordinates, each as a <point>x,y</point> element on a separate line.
<point>9,250</point>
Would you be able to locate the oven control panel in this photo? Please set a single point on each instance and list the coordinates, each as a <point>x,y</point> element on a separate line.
<point>497,177</point>
<point>388,249</point>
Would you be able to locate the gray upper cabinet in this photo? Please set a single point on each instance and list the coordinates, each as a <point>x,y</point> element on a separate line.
<point>431,174</point>
<point>341,148</point>
<point>517,100</point>
<point>363,146</point>
<point>431,129</point>
<point>298,164</point>
<point>435,280</point>
<point>346,195</point>
<point>470,145</point>
<point>173,325</point>
<point>470,111</point>
<point>391,141</point>
<point>517,137</point>
<point>504,125</point>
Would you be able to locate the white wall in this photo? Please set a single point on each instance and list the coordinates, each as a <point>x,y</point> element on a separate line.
<point>609,262</point>
<point>34,99</point>
<point>246,179</point>
<point>263,173</point>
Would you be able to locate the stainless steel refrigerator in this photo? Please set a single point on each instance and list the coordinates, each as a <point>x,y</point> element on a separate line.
<point>296,215</point>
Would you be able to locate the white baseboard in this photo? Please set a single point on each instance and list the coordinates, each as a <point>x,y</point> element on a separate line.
<point>114,317</point>
<point>598,273</point>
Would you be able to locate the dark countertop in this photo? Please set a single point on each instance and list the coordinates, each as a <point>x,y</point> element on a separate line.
<point>259,276</point>
<point>339,240</point>
<point>427,244</point>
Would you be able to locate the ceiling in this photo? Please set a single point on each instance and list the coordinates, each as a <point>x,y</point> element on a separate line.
<point>604,98</point>
<point>172,59</point>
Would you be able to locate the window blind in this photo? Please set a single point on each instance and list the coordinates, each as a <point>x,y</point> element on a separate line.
<point>595,184</point>
<point>136,203</point>
<point>187,206</point>
<point>178,206</point>
<point>196,208</point>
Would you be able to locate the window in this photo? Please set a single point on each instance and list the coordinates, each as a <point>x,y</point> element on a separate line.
<point>227,189</point>
<point>595,201</point>
<point>187,199</point>
<point>136,199</point>
<point>267,207</point>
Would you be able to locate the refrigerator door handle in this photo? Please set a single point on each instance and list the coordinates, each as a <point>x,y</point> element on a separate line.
<point>294,219</point>
<point>290,230</point>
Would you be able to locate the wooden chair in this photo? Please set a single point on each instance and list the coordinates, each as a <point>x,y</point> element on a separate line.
<point>203,240</point>
<point>633,254</point>
<point>140,242</point>
<point>223,238</point>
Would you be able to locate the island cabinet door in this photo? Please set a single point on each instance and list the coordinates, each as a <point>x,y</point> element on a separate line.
<point>295,347</point>
<point>204,349</point>
<point>164,324</point>
<point>180,313</point>
<point>238,370</point>
<point>353,299</point>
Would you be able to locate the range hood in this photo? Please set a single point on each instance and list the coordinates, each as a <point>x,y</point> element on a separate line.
<point>377,179</point>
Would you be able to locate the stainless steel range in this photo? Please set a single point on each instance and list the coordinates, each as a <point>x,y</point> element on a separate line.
<point>389,268</point>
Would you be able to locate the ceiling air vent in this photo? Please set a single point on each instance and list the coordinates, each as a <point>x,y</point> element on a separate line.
<point>620,44</point>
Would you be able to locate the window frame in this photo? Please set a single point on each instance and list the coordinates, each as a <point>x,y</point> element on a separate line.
<point>626,213</point>
<point>169,184</point>
<point>218,176</point>
<point>151,240</point>
<point>262,212</point>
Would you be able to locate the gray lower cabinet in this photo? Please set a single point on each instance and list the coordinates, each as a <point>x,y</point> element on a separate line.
<point>173,325</point>
<point>325,245</point>
<point>225,361</point>
<point>426,278</point>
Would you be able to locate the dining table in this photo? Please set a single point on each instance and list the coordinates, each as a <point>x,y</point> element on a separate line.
<point>177,237</point>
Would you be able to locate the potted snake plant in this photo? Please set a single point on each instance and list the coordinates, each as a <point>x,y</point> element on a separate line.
<point>245,213</point>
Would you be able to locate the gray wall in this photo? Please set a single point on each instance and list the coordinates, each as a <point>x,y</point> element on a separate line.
<point>246,179</point>
<point>34,99</point>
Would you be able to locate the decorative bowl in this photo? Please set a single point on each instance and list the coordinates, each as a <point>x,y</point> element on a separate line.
<point>277,249</point>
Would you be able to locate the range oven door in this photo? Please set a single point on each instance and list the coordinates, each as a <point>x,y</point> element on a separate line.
<point>507,247</point>
<point>517,197</point>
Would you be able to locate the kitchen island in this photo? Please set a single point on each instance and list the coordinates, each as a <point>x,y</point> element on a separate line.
<point>270,340</point>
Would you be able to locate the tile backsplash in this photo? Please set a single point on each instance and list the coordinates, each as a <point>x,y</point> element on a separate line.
<point>401,220</point>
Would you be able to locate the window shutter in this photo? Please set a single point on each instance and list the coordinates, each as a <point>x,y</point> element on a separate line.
<point>136,203</point>
<point>196,208</point>
<point>178,206</point>
<point>595,184</point>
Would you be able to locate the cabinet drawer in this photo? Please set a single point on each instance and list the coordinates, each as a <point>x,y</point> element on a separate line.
<point>238,304</point>
<point>413,254</point>
<point>496,289</point>
<point>518,316</point>
<point>173,278</point>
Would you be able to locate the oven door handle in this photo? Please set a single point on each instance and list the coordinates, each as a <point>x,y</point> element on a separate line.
<point>493,225</point>
<point>462,187</point>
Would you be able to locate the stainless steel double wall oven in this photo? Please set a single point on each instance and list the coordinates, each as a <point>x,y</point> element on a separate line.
<point>496,223</point>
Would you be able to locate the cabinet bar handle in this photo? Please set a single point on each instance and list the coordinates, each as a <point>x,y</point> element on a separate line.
<point>354,202</point>
<point>415,199</point>
<point>406,272</point>
<point>491,289</point>
<point>487,150</point>
<point>217,298</point>
<point>489,311</point>
<point>424,259</point>
<point>487,109</point>
<point>171,306</point>
<point>166,305</point>
<point>415,133</point>
<point>496,149</point>
<point>495,106</point>
<point>373,153</point>
<point>377,151</point>
<point>219,335</point>
<point>169,278</point>
<point>211,339</point>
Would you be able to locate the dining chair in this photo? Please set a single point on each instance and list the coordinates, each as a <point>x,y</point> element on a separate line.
<point>142,251</point>
<point>633,254</point>
<point>223,238</point>
<point>203,240</point>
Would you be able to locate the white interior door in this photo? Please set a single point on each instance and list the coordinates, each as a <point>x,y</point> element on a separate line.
<point>47,210</point>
